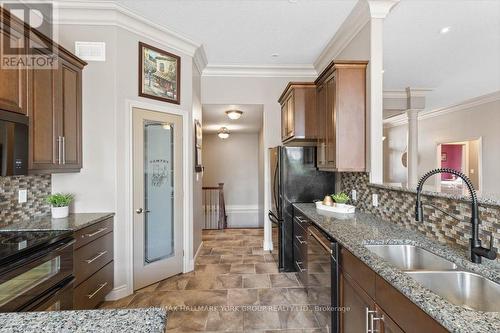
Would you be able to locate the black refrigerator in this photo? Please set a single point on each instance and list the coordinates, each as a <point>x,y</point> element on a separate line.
<point>294,178</point>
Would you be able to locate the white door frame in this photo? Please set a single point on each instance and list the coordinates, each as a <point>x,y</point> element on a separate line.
<point>187,226</point>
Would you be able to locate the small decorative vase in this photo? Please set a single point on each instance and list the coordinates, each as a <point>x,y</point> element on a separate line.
<point>60,212</point>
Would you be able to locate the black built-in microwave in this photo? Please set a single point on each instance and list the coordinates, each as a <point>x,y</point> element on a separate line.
<point>13,144</point>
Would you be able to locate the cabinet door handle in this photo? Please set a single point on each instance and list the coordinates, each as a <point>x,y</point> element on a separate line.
<point>97,290</point>
<point>299,263</point>
<point>370,320</point>
<point>299,238</point>
<point>89,261</point>
<point>63,150</point>
<point>59,150</point>
<point>96,232</point>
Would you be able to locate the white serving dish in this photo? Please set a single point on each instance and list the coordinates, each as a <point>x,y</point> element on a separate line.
<point>336,208</point>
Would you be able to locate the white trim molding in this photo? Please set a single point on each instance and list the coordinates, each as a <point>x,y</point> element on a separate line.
<point>118,292</point>
<point>357,19</point>
<point>187,223</point>
<point>247,216</point>
<point>110,13</point>
<point>260,70</point>
<point>427,114</point>
<point>380,8</point>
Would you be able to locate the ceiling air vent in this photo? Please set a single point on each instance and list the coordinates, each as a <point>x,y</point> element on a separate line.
<point>91,51</point>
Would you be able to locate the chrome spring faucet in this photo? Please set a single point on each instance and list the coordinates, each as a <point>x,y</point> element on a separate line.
<point>477,251</point>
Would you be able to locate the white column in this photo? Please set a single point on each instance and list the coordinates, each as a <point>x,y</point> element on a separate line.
<point>376,104</point>
<point>412,146</point>
<point>378,11</point>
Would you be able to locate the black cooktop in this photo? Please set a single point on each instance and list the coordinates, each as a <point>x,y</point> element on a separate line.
<point>14,244</point>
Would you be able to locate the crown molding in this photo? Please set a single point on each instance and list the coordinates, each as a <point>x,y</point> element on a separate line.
<point>109,13</point>
<point>465,105</point>
<point>260,71</point>
<point>200,59</point>
<point>355,21</point>
<point>405,93</point>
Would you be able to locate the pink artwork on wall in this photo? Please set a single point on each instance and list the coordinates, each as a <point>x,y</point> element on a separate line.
<point>451,157</point>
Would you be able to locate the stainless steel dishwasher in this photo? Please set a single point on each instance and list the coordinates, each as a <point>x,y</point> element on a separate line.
<point>322,278</point>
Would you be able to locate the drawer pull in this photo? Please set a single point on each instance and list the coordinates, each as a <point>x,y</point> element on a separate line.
<point>96,232</point>
<point>299,263</point>
<point>299,238</point>
<point>301,219</point>
<point>98,290</point>
<point>89,261</point>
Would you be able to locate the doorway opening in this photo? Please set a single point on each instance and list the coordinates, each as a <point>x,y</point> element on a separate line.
<point>233,161</point>
<point>463,156</point>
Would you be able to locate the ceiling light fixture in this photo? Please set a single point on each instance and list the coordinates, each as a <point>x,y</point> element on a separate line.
<point>234,114</point>
<point>223,133</point>
<point>445,30</point>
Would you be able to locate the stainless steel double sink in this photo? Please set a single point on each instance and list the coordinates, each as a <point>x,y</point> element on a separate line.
<point>442,276</point>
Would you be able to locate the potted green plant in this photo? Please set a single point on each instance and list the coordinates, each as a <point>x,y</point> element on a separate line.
<point>59,203</point>
<point>340,198</point>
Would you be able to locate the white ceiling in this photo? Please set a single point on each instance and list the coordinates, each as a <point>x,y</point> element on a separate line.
<point>459,65</point>
<point>249,31</point>
<point>214,117</point>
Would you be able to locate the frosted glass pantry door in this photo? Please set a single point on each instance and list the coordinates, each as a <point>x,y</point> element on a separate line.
<point>157,158</point>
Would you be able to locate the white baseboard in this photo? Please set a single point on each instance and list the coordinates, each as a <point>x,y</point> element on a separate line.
<point>242,216</point>
<point>193,260</point>
<point>118,292</point>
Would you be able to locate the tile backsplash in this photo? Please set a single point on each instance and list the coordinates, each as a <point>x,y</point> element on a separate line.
<point>399,207</point>
<point>38,186</point>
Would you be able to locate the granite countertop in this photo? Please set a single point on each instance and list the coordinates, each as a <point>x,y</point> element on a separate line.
<point>99,321</point>
<point>73,222</point>
<point>359,229</point>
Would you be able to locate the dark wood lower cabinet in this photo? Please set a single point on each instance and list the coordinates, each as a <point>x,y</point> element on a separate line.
<point>92,291</point>
<point>386,324</point>
<point>93,264</point>
<point>373,305</point>
<point>357,304</point>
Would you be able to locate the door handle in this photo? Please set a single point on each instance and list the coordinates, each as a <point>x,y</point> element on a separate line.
<point>140,211</point>
<point>63,150</point>
<point>59,150</point>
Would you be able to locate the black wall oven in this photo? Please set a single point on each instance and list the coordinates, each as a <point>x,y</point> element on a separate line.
<point>13,144</point>
<point>41,276</point>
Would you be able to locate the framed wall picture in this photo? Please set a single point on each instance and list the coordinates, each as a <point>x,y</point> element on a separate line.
<point>159,74</point>
<point>198,132</point>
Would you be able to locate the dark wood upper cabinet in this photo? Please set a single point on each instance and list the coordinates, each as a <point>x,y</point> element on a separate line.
<point>341,100</point>
<point>298,113</point>
<point>13,93</point>
<point>42,110</point>
<point>50,97</point>
<point>70,117</point>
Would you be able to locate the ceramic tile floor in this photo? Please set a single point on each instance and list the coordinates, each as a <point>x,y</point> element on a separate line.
<point>235,287</point>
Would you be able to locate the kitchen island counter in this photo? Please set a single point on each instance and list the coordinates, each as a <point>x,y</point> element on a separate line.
<point>145,320</point>
<point>355,231</point>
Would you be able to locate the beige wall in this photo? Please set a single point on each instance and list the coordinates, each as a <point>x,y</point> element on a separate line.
<point>253,90</point>
<point>234,162</point>
<point>480,121</point>
<point>108,86</point>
